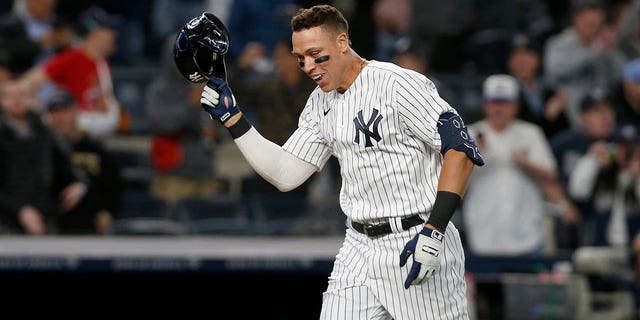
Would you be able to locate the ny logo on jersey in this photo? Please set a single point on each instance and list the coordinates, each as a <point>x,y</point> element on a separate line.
<point>365,128</point>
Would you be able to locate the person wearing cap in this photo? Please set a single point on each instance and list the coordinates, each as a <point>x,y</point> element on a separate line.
<point>97,210</point>
<point>586,158</point>
<point>599,162</point>
<point>504,206</point>
<point>36,173</point>
<point>84,72</point>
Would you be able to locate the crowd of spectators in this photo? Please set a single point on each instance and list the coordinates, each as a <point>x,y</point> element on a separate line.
<point>549,89</point>
<point>556,110</point>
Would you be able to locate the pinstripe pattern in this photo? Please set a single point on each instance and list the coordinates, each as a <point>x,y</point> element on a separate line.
<point>395,176</point>
<point>398,175</point>
<point>366,282</point>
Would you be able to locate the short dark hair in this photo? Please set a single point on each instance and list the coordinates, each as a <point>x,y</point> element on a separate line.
<point>320,15</point>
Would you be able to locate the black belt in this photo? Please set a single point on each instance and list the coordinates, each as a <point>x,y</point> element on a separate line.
<point>384,228</point>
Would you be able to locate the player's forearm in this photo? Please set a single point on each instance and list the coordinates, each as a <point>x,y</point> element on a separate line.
<point>455,173</point>
<point>454,178</point>
<point>271,162</point>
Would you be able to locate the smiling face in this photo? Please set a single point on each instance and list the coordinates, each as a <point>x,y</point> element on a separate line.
<point>310,44</point>
<point>499,114</point>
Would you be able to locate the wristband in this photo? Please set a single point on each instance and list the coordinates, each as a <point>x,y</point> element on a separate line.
<point>239,128</point>
<point>443,208</point>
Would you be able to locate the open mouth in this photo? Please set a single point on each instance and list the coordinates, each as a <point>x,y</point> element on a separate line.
<point>318,78</point>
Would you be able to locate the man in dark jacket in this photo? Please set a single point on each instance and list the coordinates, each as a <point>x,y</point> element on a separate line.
<point>36,177</point>
<point>98,208</point>
<point>30,34</point>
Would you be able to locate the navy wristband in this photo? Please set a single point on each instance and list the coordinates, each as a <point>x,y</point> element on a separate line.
<point>239,128</point>
<point>443,208</point>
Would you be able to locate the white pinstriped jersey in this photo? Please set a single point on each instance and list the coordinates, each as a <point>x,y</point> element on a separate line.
<point>383,132</point>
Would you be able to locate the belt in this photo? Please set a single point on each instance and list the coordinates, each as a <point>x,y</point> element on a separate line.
<point>384,228</point>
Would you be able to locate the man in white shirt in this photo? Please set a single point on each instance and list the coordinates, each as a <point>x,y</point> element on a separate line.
<point>504,205</point>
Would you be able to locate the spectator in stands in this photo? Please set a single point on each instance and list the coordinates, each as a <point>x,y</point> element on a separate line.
<point>628,36</point>
<point>167,16</point>
<point>95,213</point>
<point>84,72</point>
<point>414,54</point>
<point>444,29</point>
<point>29,34</point>
<point>626,97</point>
<point>591,159</point>
<point>583,56</point>
<point>183,138</point>
<point>605,179</point>
<point>504,206</point>
<point>251,67</point>
<point>392,19</point>
<point>264,22</point>
<point>37,180</point>
<point>539,103</point>
<point>281,96</point>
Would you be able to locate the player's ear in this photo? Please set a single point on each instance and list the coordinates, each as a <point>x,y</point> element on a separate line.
<point>343,42</point>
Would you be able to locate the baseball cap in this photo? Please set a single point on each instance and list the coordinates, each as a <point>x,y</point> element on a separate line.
<point>593,99</point>
<point>60,100</point>
<point>500,87</point>
<point>95,17</point>
<point>631,71</point>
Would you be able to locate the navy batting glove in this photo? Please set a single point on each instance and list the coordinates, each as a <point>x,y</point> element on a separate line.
<point>218,100</point>
<point>427,248</point>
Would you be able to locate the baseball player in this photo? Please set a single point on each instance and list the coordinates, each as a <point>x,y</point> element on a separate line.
<point>405,158</point>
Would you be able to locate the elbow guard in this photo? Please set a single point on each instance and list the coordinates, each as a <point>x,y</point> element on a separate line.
<point>454,135</point>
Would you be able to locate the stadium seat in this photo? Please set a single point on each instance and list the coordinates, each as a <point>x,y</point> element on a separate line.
<point>222,214</point>
<point>281,213</point>
<point>141,214</point>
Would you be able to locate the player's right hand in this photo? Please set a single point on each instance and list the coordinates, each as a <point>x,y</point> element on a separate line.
<point>427,248</point>
<point>218,100</point>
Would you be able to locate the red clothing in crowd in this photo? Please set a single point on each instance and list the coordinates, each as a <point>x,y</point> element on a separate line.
<point>76,72</point>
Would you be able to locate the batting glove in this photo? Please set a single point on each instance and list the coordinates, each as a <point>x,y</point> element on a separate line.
<point>427,248</point>
<point>218,100</point>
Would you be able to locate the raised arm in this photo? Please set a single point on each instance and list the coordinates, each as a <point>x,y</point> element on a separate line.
<point>269,160</point>
<point>34,78</point>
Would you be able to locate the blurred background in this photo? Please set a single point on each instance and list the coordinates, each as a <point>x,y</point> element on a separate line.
<point>114,182</point>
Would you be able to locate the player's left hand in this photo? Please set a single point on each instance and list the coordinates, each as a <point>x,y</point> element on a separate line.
<point>427,248</point>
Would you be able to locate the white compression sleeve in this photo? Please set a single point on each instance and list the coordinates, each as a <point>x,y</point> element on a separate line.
<point>282,169</point>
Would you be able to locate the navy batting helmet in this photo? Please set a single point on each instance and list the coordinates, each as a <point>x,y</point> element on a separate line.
<point>200,48</point>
